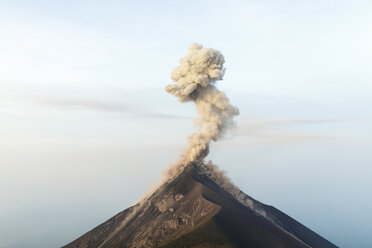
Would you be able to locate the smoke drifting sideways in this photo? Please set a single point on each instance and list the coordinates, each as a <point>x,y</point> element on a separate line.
<point>195,81</point>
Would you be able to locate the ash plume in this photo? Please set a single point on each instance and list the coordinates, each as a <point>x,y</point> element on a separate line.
<point>197,205</point>
<point>195,80</point>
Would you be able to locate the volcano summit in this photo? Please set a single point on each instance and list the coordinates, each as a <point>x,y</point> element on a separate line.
<point>197,205</point>
<point>193,210</point>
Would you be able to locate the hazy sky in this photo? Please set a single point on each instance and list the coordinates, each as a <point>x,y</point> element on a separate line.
<point>86,127</point>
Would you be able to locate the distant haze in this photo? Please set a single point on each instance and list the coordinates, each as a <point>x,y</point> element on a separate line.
<point>84,117</point>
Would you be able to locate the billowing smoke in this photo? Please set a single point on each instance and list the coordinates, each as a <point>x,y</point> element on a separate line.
<point>195,80</point>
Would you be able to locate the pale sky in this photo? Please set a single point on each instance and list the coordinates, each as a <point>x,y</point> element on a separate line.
<point>86,127</point>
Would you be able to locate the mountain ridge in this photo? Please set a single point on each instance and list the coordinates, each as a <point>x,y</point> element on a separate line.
<point>193,210</point>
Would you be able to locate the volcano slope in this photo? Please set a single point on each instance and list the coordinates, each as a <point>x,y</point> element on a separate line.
<point>192,210</point>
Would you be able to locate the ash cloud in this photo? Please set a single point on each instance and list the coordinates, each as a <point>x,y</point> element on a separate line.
<point>195,81</point>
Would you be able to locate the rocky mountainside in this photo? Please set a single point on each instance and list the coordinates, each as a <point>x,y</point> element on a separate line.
<point>193,210</point>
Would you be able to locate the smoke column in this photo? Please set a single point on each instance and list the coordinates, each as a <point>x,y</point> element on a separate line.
<point>195,80</point>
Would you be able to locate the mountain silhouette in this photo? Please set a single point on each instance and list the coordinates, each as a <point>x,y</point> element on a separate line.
<point>193,210</point>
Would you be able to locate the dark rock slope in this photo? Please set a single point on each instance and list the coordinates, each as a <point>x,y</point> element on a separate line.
<point>192,210</point>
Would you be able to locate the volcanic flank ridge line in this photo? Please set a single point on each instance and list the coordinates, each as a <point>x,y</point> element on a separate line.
<point>209,171</point>
<point>181,211</point>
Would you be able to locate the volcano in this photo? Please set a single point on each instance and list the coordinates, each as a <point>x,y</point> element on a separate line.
<point>194,210</point>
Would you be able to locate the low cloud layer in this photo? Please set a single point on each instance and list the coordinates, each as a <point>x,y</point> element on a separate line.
<point>90,104</point>
<point>280,131</point>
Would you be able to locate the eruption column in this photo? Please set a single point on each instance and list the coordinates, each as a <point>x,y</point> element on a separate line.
<point>195,80</point>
